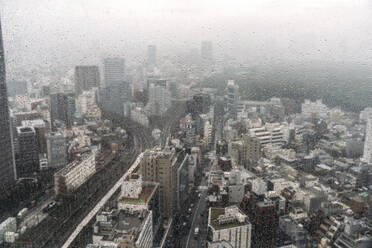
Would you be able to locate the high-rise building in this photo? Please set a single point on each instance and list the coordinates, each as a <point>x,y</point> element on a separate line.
<point>251,149</point>
<point>7,165</point>
<point>165,167</point>
<point>159,98</point>
<point>86,78</point>
<point>151,55</point>
<point>206,50</point>
<point>367,153</point>
<point>86,105</point>
<point>57,150</point>
<point>62,108</point>
<point>40,130</point>
<point>27,157</point>
<point>113,97</point>
<point>232,97</point>
<point>265,224</point>
<point>114,71</point>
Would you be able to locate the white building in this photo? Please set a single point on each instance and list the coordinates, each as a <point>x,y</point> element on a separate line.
<point>231,225</point>
<point>9,225</point>
<point>259,186</point>
<point>365,114</point>
<point>208,129</point>
<point>126,229</point>
<point>270,133</point>
<point>75,174</point>
<point>317,109</point>
<point>367,153</point>
<point>138,115</point>
<point>86,105</point>
<point>159,99</point>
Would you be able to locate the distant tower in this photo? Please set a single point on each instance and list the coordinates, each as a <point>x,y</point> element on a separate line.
<point>151,55</point>
<point>367,153</point>
<point>206,50</point>
<point>232,97</point>
<point>7,166</point>
<point>62,108</point>
<point>86,78</point>
<point>114,71</point>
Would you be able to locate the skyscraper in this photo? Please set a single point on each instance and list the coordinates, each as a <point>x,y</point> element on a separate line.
<point>114,71</point>
<point>232,97</point>
<point>159,98</point>
<point>57,150</point>
<point>151,55</point>
<point>367,153</point>
<point>113,97</point>
<point>86,78</point>
<point>62,108</point>
<point>27,156</point>
<point>7,166</point>
<point>206,50</point>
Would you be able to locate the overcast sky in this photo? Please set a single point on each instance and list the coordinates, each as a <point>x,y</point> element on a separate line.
<point>54,32</point>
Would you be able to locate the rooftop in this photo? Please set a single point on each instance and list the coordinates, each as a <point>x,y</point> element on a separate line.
<point>225,218</point>
<point>142,198</point>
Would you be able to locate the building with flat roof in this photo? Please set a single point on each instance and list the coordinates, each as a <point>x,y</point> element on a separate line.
<point>129,229</point>
<point>229,224</point>
<point>75,174</point>
<point>27,157</point>
<point>163,167</point>
<point>138,195</point>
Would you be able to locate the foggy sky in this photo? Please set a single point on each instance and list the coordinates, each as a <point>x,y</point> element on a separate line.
<point>70,32</point>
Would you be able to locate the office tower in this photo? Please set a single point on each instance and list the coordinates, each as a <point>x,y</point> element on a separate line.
<point>62,108</point>
<point>57,150</point>
<point>151,55</point>
<point>251,149</point>
<point>166,167</point>
<point>230,225</point>
<point>7,166</point>
<point>27,157</point>
<point>265,224</point>
<point>367,153</point>
<point>40,131</point>
<point>86,78</point>
<point>206,50</point>
<point>114,69</point>
<point>86,105</point>
<point>159,98</point>
<point>113,97</point>
<point>232,97</point>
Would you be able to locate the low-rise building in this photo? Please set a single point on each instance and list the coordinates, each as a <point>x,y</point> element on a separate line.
<point>123,229</point>
<point>75,174</point>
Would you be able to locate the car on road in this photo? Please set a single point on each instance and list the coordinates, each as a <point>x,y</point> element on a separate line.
<point>50,207</point>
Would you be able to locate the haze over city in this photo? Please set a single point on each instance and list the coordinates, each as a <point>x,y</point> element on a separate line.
<point>186,124</point>
<point>52,32</point>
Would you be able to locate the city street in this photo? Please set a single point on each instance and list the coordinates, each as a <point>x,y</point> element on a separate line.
<point>199,220</point>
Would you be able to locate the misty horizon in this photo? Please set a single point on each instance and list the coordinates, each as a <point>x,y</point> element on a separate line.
<point>55,33</point>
